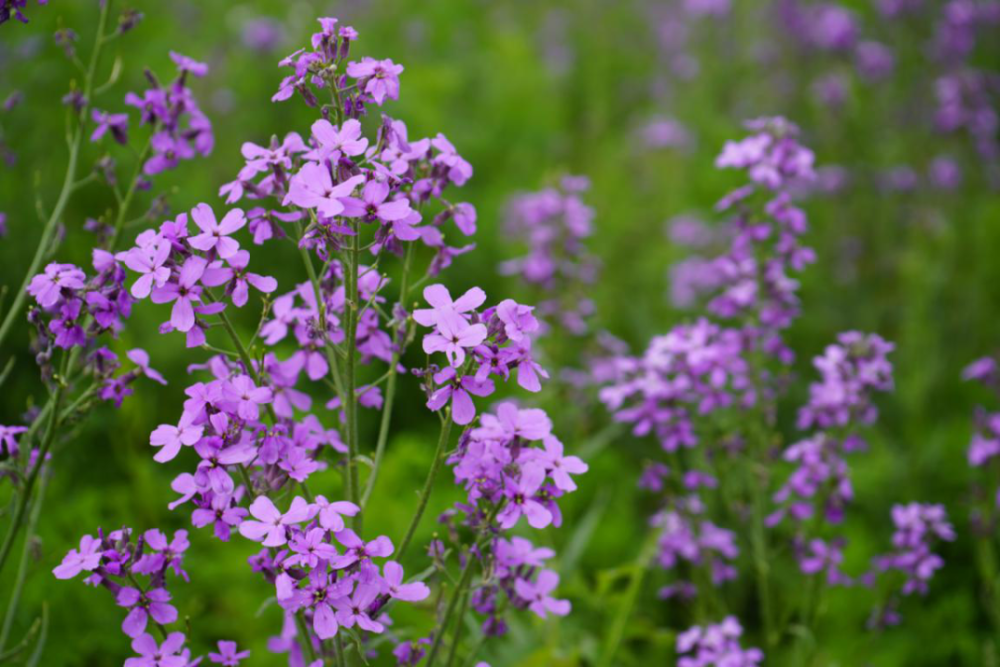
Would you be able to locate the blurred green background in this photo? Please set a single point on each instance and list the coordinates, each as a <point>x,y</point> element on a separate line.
<point>528,91</point>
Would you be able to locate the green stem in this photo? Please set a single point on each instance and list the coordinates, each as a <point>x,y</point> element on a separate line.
<point>390,388</point>
<point>459,625</point>
<point>69,181</point>
<point>428,484</point>
<point>351,309</point>
<point>29,485</point>
<point>22,570</point>
<point>463,583</point>
<point>306,641</point>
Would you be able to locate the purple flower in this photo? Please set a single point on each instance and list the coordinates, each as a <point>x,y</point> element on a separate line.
<point>170,438</point>
<point>167,654</point>
<point>168,151</point>
<point>560,467</point>
<point>522,501</point>
<point>372,206</point>
<point>313,188</point>
<point>228,656</point>
<point>86,558</point>
<point>394,587</point>
<point>331,514</point>
<point>457,391</point>
<point>716,646</point>
<point>116,123</point>
<point>271,525</point>
<point>47,287</point>
<point>185,64</point>
<point>333,142</point>
<point>184,293</point>
<point>378,78</point>
<point>247,396</point>
<point>452,336</point>
<point>149,260</point>
<point>215,235</point>
<point>354,610</point>
<point>537,594</point>
<point>140,358</point>
<point>153,603</point>
<point>8,439</point>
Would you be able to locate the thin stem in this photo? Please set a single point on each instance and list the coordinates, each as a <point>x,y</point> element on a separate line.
<point>69,181</point>
<point>29,485</point>
<point>307,646</point>
<point>459,625</point>
<point>390,388</point>
<point>22,570</point>
<point>351,310</point>
<point>463,583</point>
<point>428,484</point>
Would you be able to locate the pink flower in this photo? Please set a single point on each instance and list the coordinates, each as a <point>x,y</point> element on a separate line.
<point>393,584</point>
<point>215,235</point>
<point>439,298</point>
<point>313,187</point>
<point>247,396</point>
<point>86,558</point>
<point>373,205</point>
<point>162,655</point>
<point>452,336</point>
<point>537,594</point>
<point>149,261</point>
<point>170,438</point>
<point>271,523</point>
<point>380,77</point>
<point>333,142</point>
<point>353,611</point>
<point>184,294</point>
<point>560,467</point>
<point>522,502</point>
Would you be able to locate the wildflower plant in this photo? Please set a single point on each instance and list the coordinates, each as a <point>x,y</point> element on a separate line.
<point>364,208</point>
<point>733,496</point>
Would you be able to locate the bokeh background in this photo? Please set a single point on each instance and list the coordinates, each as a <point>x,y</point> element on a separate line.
<point>639,96</point>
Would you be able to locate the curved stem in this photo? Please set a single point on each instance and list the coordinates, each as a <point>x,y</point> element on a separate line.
<point>425,494</point>
<point>69,181</point>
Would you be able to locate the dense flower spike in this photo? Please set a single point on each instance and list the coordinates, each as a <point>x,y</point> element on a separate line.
<point>249,428</point>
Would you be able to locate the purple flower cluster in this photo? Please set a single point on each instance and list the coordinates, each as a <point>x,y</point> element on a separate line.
<point>554,225</point>
<point>499,468</point>
<point>919,528</point>
<point>495,342</point>
<point>177,267</point>
<point>336,588</point>
<point>692,371</point>
<point>116,563</point>
<point>716,645</point>
<point>135,572</point>
<point>180,130</point>
<point>819,488</point>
